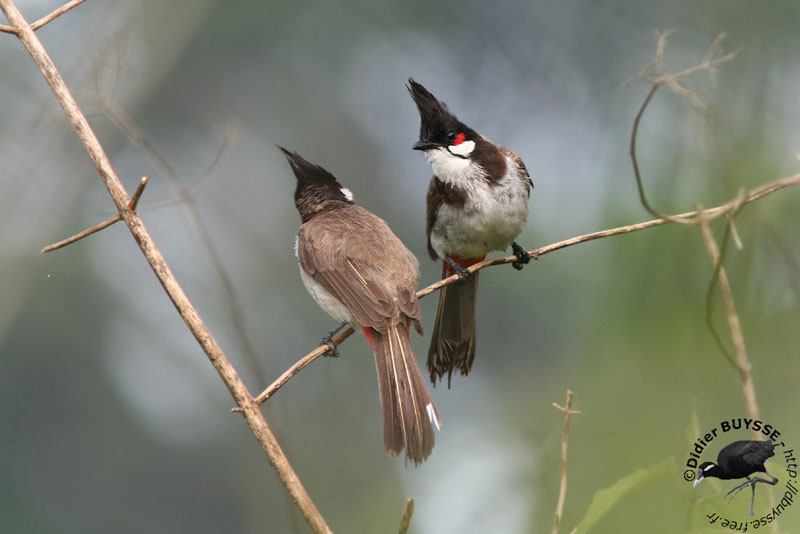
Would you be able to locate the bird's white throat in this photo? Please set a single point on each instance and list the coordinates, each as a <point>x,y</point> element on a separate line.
<point>452,169</point>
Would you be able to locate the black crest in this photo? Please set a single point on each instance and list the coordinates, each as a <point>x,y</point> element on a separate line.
<point>307,173</point>
<point>436,121</point>
<point>317,189</point>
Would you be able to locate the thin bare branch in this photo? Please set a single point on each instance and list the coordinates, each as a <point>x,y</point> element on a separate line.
<point>44,20</point>
<point>216,355</point>
<point>708,214</point>
<point>654,74</point>
<point>105,224</point>
<point>562,492</point>
<point>297,367</point>
<point>57,13</point>
<point>405,521</point>
<point>741,362</point>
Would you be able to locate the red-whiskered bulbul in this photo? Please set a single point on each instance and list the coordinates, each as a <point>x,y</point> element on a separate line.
<point>360,272</point>
<point>477,203</point>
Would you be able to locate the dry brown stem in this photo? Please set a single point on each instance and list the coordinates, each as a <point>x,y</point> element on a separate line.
<point>405,521</point>
<point>216,356</point>
<point>562,492</point>
<point>740,361</point>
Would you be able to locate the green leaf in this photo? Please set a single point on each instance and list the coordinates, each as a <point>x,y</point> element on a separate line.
<point>605,499</point>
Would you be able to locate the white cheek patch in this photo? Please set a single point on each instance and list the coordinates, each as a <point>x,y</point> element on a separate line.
<point>296,239</point>
<point>347,193</point>
<point>463,149</point>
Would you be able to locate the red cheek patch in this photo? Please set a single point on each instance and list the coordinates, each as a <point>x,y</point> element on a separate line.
<point>460,138</point>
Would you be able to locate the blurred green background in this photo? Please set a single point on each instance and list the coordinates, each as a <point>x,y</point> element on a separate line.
<point>112,419</point>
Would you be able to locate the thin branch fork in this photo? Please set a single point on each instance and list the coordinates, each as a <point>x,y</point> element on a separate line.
<point>105,224</point>
<point>119,195</point>
<point>44,20</point>
<point>654,74</point>
<point>562,492</point>
<point>705,214</point>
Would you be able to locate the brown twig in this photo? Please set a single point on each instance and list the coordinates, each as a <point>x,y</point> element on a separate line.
<point>405,521</point>
<point>44,20</point>
<point>216,356</point>
<point>105,224</point>
<point>562,492</point>
<point>294,369</point>
<point>654,74</point>
<point>709,214</point>
<point>740,361</point>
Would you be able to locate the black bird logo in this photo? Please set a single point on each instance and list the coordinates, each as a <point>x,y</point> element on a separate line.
<point>740,459</point>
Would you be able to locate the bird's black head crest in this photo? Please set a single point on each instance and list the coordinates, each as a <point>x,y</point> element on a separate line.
<point>306,172</point>
<point>436,121</point>
<point>316,187</point>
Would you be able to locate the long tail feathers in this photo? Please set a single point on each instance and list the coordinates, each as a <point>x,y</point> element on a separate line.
<point>408,411</point>
<point>453,340</point>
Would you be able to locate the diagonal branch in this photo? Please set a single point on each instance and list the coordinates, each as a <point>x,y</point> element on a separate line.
<point>707,214</point>
<point>47,18</point>
<point>217,357</point>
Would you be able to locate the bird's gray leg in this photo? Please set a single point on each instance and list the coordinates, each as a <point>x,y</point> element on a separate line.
<point>327,339</point>
<point>752,483</point>
<point>737,489</point>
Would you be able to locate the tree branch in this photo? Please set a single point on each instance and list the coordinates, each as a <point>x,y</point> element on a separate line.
<point>707,214</point>
<point>217,357</point>
<point>44,20</point>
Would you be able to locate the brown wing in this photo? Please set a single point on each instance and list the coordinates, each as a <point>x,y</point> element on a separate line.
<point>440,193</point>
<point>523,171</point>
<point>356,257</point>
<point>433,201</point>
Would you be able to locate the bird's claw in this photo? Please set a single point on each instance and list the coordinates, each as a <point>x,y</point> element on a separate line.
<point>332,351</point>
<point>523,256</point>
<point>462,272</point>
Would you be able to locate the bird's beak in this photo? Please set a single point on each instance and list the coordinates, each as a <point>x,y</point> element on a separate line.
<point>425,145</point>
<point>698,481</point>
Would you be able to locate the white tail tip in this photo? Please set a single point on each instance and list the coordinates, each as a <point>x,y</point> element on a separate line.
<point>433,416</point>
